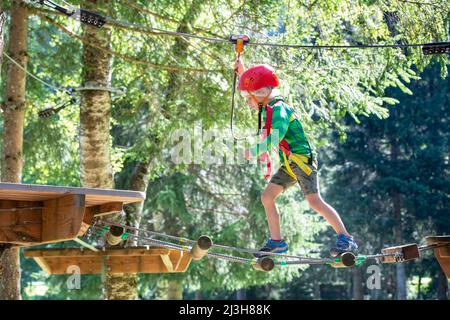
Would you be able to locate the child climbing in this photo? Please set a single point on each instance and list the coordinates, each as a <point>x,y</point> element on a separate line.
<point>258,85</point>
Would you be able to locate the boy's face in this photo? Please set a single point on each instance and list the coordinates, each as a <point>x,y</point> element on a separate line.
<point>253,101</point>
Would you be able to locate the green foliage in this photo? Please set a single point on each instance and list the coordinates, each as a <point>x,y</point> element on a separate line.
<point>328,87</point>
<point>420,174</point>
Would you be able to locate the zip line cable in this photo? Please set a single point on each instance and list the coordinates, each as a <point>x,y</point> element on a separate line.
<point>60,89</point>
<point>48,112</point>
<point>299,259</point>
<point>218,246</point>
<point>98,20</point>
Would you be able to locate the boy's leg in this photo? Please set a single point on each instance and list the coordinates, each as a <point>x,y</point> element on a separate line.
<point>310,187</point>
<point>279,182</point>
<point>268,197</point>
<point>328,212</point>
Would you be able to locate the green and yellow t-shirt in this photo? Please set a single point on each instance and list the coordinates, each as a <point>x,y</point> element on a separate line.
<point>285,125</point>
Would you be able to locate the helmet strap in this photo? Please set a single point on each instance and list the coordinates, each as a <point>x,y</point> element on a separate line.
<point>260,107</point>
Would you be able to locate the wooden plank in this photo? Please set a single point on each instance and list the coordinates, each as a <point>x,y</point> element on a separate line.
<point>84,228</point>
<point>443,257</point>
<point>43,264</point>
<point>61,211</point>
<point>75,252</point>
<point>167,262</point>
<point>437,240</point>
<point>21,235</point>
<point>101,210</point>
<point>181,260</point>
<point>20,224</point>
<point>406,252</point>
<point>62,218</point>
<point>104,209</point>
<point>94,196</point>
<point>130,260</point>
<point>177,259</point>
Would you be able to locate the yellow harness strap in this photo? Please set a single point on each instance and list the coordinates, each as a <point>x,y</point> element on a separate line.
<point>299,159</point>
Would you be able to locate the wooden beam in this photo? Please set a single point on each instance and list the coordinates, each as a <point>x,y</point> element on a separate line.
<point>178,259</point>
<point>43,264</point>
<point>86,245</point>
<point>76,252</point>
<point>32,192</point>
<point>167,262</point>
<point>441,251</point>
<point>125,260</point>
<point>104,209</point>
<point>404,253</point>
<point>20,222</point>
<point>62,218</point>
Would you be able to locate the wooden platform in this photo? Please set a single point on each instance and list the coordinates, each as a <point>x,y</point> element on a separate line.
<point>116,260</point>
<point>442,251</point>
<point>36,214</point>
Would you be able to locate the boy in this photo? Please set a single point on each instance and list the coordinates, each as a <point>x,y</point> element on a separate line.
<point>258,86</point>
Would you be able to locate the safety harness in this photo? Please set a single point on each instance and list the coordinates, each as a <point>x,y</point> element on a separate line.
<point>299,159</point>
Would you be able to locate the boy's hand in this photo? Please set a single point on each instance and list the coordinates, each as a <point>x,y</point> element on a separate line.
<point>239,67</point>
<point>248,155</point>
<point>263,157</point>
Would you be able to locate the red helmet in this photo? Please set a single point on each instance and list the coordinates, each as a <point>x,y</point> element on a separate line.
<point>258,77</point>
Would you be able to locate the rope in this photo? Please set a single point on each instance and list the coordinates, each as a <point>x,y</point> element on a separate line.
<point>61,89</point>
<point>70,90</point>
<point>162,31</point>
<point>300,260</point>
<point>218,246</point>
<point>343,46</point>
<point>148,231</point>
<point>230,258</point>
<point>221,256</point>
<point>170,245</point>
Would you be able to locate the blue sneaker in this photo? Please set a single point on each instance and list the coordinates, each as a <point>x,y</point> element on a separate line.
<point>272,246</point>
<point>344,244</point>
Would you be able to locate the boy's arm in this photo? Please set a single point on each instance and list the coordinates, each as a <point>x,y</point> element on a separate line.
<point>239,67</point>
<point>280,125</point>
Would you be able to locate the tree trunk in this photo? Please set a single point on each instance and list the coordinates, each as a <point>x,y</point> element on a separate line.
<point>401,289</point>
<point>357,284</point>
<point>13,117</point>
<point>241,294</point>
<point>170,289</point>
<point>175,290</point>
<point>2,33</point>
<point>95,110</point>
<point>442,286</point>
<point>95,113</point>
<point>14,108</point>
<point>199,295</point>
<point>133,211</point>
<point>419,288</point>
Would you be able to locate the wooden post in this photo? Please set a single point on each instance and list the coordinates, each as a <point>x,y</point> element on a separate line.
<point>346,260</point>
<point>265,264</point>
<point>200,249</point>
<point>114,235</point>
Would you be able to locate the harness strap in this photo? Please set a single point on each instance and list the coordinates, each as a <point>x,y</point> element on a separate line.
<point>300,160</point>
